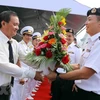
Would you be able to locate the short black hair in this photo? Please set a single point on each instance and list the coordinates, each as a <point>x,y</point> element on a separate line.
<point>75,39</point>
<point>5,16</point>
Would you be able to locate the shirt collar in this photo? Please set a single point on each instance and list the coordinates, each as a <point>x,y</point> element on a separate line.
<point>94,37</point>
<point>23,42</point>
<point>71,45</point>
<point>4,38</point>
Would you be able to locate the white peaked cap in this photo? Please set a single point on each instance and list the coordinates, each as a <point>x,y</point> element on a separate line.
<point>27,29</point>
<point>37,34</point>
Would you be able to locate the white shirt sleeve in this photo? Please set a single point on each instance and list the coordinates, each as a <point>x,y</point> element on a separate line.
<point>12,69</point>
<point>93,58</point>
<point>16,71</point>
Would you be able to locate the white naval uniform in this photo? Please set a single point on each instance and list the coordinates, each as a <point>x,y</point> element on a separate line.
<point>19,92</point>
<point>74,53</point>
<point>8,69</point>
<point>91,59</point>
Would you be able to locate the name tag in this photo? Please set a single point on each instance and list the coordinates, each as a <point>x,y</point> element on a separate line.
<point>86,54</point>
<point>71,52</point>
<point>88,50</point>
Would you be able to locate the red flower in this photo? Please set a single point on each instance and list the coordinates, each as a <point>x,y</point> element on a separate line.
<point>37,51</point>
<point>45,38</point>
<point>65,59</point>
<point>60,23</point>
<point>49,54</point>
<point>48,45</point>
<point>63,41</point>
<point>41,43</point>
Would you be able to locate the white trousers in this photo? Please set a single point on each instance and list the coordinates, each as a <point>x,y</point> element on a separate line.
<point>18,91</point>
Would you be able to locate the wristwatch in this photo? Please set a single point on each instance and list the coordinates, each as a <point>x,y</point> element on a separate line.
<point>57,74</point>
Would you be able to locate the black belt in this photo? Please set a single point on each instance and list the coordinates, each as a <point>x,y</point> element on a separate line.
<point>5,89</point>
<point>87,92</point>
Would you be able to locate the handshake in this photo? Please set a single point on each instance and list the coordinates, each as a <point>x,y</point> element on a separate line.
<point>39,76</point>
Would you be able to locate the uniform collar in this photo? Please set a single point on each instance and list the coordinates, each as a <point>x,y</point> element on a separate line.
<point>3,37</point>
<point>71,45</point>
<point>94,37</point>
<point>23,42</point>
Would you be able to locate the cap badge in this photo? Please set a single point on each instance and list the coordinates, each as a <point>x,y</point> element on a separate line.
<point>93,10</point>
<point>29,31</point>
<point>70,31</point>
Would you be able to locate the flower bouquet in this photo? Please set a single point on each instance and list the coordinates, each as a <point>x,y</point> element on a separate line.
<point>53,46</point>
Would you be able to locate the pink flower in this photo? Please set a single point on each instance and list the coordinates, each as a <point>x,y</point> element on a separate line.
<point>64,48</point>
<point>63,28</point>
<point>43,45</point>
<point>50,33</point>
<point>61,35</point>
<point>51,27</point>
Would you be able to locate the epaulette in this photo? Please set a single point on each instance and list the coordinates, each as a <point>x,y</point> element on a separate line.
<point>30,46</point>
<point>22,42</point>
<point>99,37</point>
<point>77,46</point>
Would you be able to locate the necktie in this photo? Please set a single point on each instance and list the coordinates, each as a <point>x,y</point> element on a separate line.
<point>11,59</point>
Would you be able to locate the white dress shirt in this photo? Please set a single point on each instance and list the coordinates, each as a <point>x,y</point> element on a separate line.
<point>8,69</point>
<point>91,59</point>
<point>74,53</point>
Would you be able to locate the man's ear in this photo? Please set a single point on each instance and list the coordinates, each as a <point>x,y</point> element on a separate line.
<point>3,23</point>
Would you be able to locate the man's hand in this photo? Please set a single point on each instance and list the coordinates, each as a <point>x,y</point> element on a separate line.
<point>22,82</point>
<point>52,75</point>
<point>38,76</point>
<point>74,88</point>
<point>75,66</point>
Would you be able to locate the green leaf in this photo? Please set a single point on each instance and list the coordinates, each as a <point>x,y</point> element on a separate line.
<point>67,66</point>
<point>63,12</point>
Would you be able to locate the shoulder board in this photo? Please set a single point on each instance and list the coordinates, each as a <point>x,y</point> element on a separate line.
<point>22,42</point>
<point>77,46</point>
<point>99,37</point>
<point>30,46</point>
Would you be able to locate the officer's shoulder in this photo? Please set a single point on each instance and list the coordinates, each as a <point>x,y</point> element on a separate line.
<point>30,46</point>
<point>77,46</point>
<point>21,42</point>
<point>15,41</point>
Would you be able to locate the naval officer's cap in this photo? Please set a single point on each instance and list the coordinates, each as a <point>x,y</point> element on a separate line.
<point>70,30</point>
<point>27,30</point>
<point>94,11</point>
<point>36,35</point>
